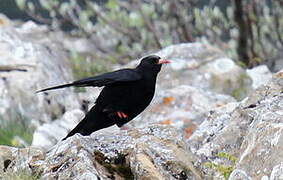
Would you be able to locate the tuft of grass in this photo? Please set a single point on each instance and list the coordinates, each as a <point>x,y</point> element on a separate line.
<point>18,126</point>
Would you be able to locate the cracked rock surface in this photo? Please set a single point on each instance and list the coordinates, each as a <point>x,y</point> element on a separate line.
<point>156,152</point>
<point>250,131</point>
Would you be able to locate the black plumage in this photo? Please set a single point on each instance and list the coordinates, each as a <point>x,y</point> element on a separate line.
<point>126,93</point>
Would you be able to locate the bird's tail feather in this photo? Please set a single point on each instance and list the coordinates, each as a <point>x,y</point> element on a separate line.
<point>55,87</point>
<point>80,128</point>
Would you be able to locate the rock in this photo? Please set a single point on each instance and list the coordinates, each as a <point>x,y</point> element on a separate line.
<point>28,63</point>
<point>19,142</point>
<point>235,140</point>
<point>189,104</point>
<point>80,45</point>
<point>203,66</point>
<point>277,172</point>
<point>31,28</point>
<point>183,107</point>
<point>49,134</point>
<point>260,75</point>
<point>17,159</point>
<point>247,137</point>
<point>239,175</point>
<point>4,20</point>
<point>155,152</point>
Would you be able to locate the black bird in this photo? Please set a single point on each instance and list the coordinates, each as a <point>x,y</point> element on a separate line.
<point>126,93</point>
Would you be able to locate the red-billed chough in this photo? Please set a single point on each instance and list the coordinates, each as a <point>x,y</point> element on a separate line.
<point>126,93</point>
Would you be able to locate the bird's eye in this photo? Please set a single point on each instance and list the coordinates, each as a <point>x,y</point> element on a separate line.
<point>156,61</point>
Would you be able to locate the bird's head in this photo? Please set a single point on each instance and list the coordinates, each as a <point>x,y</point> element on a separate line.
<point>152,62</point>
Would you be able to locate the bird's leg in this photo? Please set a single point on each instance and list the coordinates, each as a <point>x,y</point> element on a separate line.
<point>122,115</point>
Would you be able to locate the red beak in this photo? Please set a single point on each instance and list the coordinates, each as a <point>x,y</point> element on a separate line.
<point>164,61</point>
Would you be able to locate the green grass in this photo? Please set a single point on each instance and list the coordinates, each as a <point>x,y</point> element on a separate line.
<point>18,126</point>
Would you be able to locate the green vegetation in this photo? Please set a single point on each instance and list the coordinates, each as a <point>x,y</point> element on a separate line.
<point>249,31</point>
<point>242,89</point>
<point>13,128</point>
<point>85,66</point>
<point>224,155</point>
<point>20,175</point>
<point>224,170</point>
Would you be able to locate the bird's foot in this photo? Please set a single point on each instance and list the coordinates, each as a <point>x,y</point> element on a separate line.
<point>121,114</point>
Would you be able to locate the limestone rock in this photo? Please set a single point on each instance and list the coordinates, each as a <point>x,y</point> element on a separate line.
<point>239,175</point>
<point>277,172</point>
<point>28,64</point>
<point>205,67</point>
<point>183,107</point>
<point>260,75</point>
<point>49,134</point>
<point>247,137</point>
<point>202,66</point>
<point>4,20</point>
<point>17,159</point>
<point>155,152</point>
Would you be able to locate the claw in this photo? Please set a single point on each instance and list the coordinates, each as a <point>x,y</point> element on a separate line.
<point>119,114</point>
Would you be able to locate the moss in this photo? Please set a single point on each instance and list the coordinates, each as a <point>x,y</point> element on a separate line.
<point>224,170</point>
<point>115,166</point>
<point>230,157</point>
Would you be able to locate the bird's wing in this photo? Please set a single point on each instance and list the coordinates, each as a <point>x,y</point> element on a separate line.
<point>119,117</point>
<point>123,75</point>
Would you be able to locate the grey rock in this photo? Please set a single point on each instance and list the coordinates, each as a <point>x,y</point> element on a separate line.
<point>260,75</point>
<point>238,174</point>
<point>17,159</point>
<point>183,107</point>
<point>277,172</point>
<point>202,66</point>
<point>5,21</point>
<point>250,132</point>
<point>49,134</point>
<point>189,104</point>
<point>28,64</point>
<point>155,152</point>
